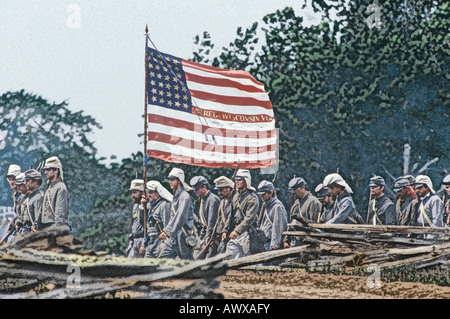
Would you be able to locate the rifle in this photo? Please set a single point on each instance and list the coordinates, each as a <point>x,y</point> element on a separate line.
<point>9,233</point>
<point>368,209</point>
<point>204,251</point>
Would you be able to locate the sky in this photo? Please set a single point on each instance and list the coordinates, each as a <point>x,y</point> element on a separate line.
<point>91,53</point>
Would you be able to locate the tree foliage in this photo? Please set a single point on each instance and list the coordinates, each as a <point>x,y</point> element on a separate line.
<point>349,93</point>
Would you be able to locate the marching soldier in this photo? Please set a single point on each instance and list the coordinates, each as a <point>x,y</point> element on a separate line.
<point>55,208</point>
<point>344,210</point>
<point>245,210</point>
<point>20,183</point>
<point>208,210</point>
<point>381,208</point>
<point>446,200</point>
<point>33,201</point>
<point>160,200</point>
<point>306,207</point>
<point>274,218</point>
<point>326,199</point>
<point>225,188</point>
<point>407,204</point>
<point>431,208</point>
<point>136,235</point>
<point>178,234</point>
<point>13,171</point>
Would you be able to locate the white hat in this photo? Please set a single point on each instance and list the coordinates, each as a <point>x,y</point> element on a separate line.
<point>54,162</point>
<point>137,184</point>
<point>20,179</point>
<point>424,179</point>
<point>13,170</point>
<point>179,174</point>
<point>446,180</point>
<point>156,186</point>
<point>336,178</point>
<point>223,181</point>
<point>245,174</point>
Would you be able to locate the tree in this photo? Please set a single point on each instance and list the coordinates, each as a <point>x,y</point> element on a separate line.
<point>33,129</point>
<point>349,94</point>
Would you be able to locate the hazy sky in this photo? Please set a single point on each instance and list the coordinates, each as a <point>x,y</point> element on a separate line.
<point>91,53</point>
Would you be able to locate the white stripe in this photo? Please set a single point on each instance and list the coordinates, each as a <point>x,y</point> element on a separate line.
<point>212,155</point>
<point>250,140</point>
<point>226,91</point>
<point>210,74</point>
<point>189,117</point>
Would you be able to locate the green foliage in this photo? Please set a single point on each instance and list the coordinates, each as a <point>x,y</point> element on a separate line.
<point>349,95</point>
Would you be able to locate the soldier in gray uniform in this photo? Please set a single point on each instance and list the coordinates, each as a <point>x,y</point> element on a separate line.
<point>160,203</point>
<point>20,183</point>
<point>33,201</point>
<point>431,207</point>
<point>55,208</point>
<point>274,218</point>
<point>326,199</point>
<point>244,216</point>
<point>381,208</point>
<point>225,188</point>
<point>178,235</point>
<point>407,204</point>
<point>136,235</point>
<point>13,171</point>
<point>344,210</point>
<point>208,210</point>
<point>306,208</point>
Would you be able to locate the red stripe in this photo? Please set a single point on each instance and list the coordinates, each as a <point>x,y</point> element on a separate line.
<point>231,73</point>
<point>169,157</point>
<point>222,82</point>
<point>210,147</point>
<point>231,100</point>
<point>168,121</point>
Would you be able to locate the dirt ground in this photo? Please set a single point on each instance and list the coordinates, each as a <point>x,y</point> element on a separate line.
<point>300,284</point>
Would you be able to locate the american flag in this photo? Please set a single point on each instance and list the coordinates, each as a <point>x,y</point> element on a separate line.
<point>206,116</point>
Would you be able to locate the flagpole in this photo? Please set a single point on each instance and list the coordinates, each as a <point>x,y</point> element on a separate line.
<point>145,128</point>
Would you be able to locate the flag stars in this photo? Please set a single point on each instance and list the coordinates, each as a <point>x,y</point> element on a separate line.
<point>167,82</point>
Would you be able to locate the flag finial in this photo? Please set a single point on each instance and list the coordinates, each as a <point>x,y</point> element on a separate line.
<point>146,28</point>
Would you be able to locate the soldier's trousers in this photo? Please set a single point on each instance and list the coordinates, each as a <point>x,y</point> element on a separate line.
<point>240,246</point>
<point>154,247</point>
<point>133,248</point>
<point>176,247</point>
